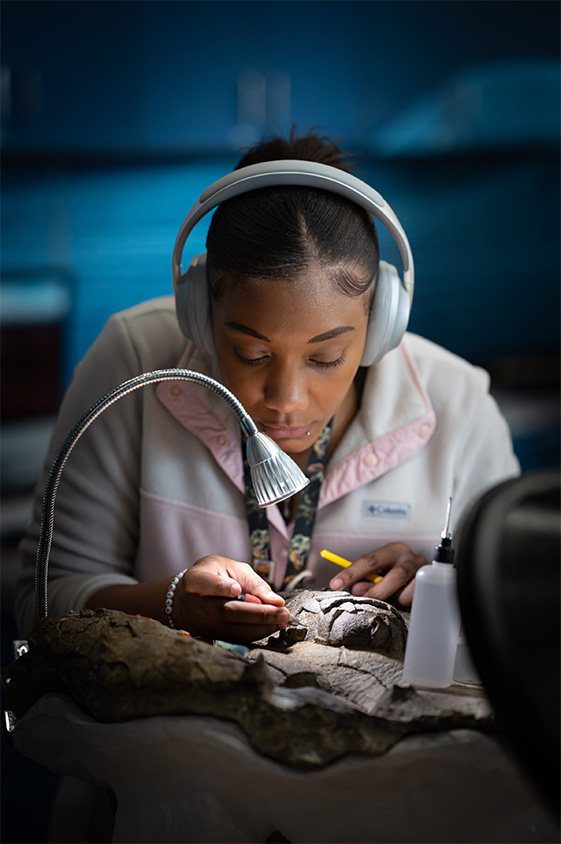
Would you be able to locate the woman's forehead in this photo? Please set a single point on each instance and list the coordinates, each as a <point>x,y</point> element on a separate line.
<point>308,305</point>
<point>315,283</point>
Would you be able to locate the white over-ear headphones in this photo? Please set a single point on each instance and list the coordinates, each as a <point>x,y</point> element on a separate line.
<point>392,301</point>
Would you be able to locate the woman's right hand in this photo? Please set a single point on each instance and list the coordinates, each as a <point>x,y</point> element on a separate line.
<point>204,602</point>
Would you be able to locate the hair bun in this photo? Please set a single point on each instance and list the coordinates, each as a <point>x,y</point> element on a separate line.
<point>309,147</point>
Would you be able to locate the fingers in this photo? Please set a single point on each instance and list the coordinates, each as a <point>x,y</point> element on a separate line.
<point>254,613</point>
<point>255,585</point>
<point>232,620</point>
<point>208,576</point>
<point>402,597</point>
<point>399,564</point>
<point>405,597</point>
<point>237,612</point>
<point>219,576</point>
<point>361,589</point>
<point>207,601</point>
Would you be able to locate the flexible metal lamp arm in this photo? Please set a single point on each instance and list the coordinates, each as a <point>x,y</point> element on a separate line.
<point>274,474</point>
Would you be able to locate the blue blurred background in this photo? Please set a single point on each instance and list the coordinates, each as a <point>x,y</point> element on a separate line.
<point>116,115</point>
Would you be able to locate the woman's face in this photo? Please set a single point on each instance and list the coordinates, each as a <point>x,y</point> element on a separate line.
<point>289,351</point>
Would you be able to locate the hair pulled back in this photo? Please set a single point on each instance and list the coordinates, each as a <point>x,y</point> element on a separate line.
<point>277,232</point>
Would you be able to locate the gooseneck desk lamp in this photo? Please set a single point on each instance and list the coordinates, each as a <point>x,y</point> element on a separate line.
<point>275,476</point>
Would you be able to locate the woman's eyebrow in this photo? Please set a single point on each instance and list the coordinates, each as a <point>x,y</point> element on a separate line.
<point>245,329</point>
<point>319,338</point>
<point>329,335</point>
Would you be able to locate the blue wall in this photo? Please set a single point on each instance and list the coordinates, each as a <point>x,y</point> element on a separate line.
<point>164,75</point>
<point>120,113</point>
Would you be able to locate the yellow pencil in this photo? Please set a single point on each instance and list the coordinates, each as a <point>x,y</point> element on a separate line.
<point>340,561</point>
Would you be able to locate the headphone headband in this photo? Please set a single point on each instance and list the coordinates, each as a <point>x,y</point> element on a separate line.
<point>291,172</point>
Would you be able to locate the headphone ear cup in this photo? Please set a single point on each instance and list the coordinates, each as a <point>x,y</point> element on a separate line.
<point>389,315</point>
<point>192,304</point>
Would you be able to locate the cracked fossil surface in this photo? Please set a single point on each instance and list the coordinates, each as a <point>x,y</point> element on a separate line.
<point>328,685</point>
<point>353,648</point>
<point>338,618</point>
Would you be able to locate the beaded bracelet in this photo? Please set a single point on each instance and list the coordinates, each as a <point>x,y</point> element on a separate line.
<point>170,596</point>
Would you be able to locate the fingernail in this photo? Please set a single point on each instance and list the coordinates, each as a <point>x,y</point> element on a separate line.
<point>336,583</point>
<point>282,616</point>
<point>235,588</point>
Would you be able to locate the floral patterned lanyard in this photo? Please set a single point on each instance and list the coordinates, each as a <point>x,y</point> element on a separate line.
<point>303,523</point>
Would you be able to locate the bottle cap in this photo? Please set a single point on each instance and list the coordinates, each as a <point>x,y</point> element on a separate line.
<point>444,553</point>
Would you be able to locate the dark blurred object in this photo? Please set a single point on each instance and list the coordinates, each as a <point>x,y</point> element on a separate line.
<point>526,372</point>
<point>31,361</point>
<point>508,562</point>
<point>527,388</point>
<point>35,307</point>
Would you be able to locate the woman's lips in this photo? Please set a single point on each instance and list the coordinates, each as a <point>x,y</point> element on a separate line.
<point>283,433</point>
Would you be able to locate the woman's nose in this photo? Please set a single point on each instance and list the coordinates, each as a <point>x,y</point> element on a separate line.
<point>286,391</point>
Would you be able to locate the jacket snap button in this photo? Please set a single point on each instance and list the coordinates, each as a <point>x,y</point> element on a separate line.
<point>424,431</point>
<point>371,459</point>
<point>176,390</point>
<point>221,440</point>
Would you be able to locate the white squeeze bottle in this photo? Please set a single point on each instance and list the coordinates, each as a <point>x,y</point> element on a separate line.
<point>434,625</point>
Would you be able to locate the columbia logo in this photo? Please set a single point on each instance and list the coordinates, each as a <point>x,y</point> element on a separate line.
<point>386,510</point>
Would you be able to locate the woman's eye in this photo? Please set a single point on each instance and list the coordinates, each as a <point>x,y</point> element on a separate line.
<point>259,359</point>
<point>327,363</point>
<point>250,361</point>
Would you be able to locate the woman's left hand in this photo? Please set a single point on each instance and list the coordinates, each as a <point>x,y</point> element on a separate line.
<point>398,565</point>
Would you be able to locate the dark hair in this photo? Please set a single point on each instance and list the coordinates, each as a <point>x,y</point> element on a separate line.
<point>277,232</point>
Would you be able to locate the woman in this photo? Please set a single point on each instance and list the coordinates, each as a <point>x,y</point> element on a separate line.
<point>157,485</point>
